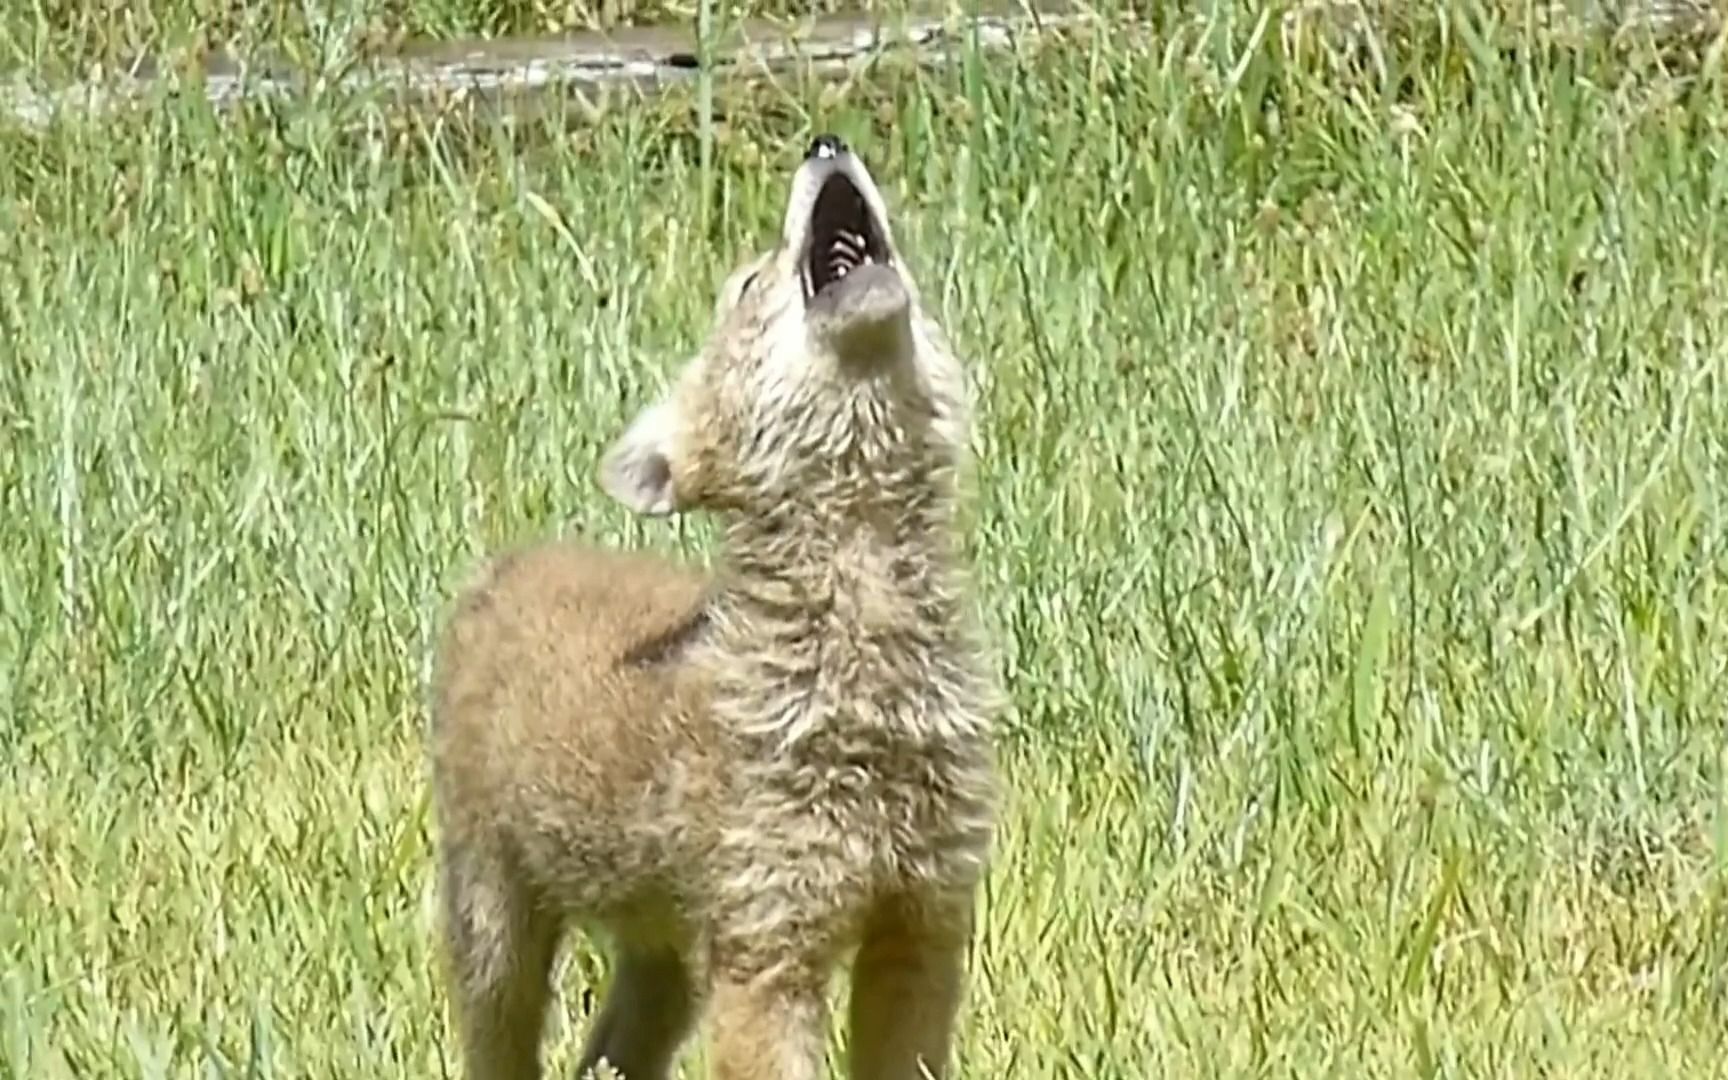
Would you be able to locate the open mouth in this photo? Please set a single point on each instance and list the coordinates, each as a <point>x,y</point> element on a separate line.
<point>843,236</point>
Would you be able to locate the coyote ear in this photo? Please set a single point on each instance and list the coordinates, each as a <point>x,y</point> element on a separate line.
<point>637,469</point>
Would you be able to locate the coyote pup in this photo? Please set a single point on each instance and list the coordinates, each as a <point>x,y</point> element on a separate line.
<point>739,779</point>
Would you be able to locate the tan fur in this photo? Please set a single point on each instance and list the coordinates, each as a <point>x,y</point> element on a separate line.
<point>736,779</point>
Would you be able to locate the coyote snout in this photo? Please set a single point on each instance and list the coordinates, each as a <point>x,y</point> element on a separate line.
<point>856,301</point>
<point>738,778</point>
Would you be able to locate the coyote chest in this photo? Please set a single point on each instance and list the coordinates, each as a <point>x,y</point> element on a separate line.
<point>843,818</point>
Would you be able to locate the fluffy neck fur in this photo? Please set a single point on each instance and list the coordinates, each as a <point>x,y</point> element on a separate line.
<point>841,611</point>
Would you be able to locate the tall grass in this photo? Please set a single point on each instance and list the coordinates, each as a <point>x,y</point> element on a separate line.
<point>1349,514</point>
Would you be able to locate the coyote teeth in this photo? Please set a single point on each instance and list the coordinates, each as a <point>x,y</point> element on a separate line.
<point>846,253</point>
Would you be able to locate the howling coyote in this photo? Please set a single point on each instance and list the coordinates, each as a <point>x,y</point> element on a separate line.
<point>738,779</point>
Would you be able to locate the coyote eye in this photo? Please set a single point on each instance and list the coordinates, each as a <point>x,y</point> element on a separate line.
<point>736,290</point>
<point>733,290</point>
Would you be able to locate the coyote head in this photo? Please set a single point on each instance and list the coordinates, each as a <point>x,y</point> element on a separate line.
<point>821,374</point>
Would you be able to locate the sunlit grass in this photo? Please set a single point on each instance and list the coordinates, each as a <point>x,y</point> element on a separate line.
<point>1349,514</point>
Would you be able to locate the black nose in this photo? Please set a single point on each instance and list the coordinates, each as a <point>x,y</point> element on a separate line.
<point>826,146</point>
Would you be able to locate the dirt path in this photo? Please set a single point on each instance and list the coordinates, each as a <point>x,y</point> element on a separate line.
<point>640,59</point>
<point>522,73</point>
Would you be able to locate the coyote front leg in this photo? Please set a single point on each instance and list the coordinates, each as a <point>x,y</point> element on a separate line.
<point>906,985</point>
<point>767,1024</point>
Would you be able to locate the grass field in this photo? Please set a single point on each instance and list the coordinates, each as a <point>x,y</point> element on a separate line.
<point>1349,512</point>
